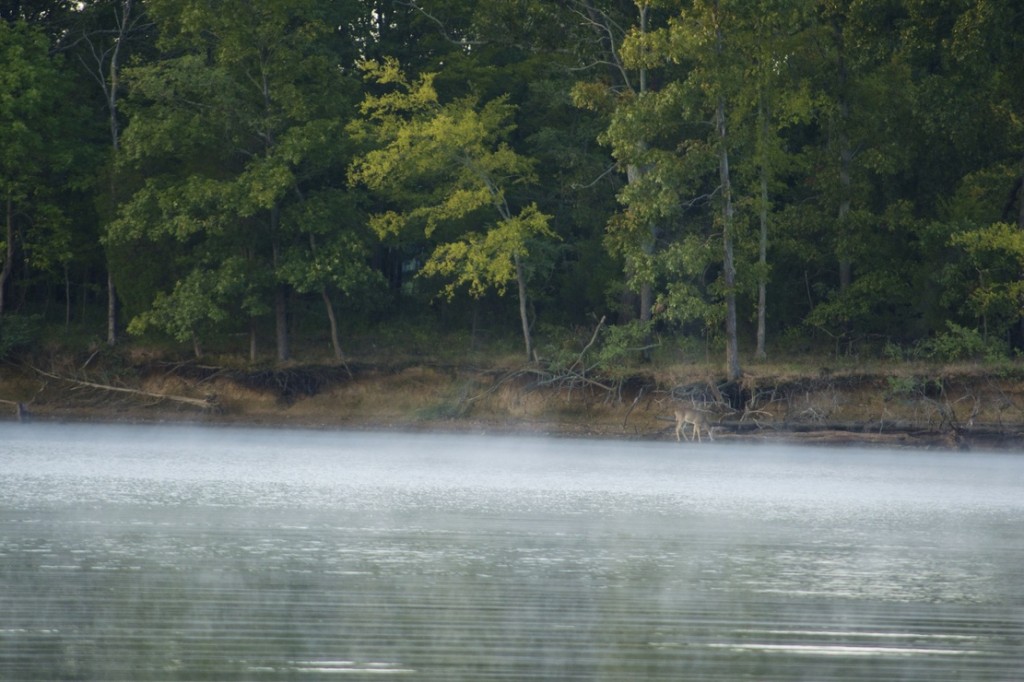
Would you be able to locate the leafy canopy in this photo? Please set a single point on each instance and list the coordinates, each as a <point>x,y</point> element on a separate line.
<point>447,166</point>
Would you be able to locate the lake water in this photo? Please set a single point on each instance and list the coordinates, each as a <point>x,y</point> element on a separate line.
<point>162,553</point>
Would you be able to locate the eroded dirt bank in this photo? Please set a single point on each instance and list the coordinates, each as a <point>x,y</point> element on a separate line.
<point>934,408</point>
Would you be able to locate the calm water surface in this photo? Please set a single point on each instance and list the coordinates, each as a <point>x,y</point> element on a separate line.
<point>146,553</point>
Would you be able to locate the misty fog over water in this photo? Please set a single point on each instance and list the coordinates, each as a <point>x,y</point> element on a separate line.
<point>181,553</point>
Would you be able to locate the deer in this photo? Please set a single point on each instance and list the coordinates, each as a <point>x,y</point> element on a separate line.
<point>695,418</point>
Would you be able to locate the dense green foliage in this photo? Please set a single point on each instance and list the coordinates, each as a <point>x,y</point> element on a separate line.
<point>766,175</point>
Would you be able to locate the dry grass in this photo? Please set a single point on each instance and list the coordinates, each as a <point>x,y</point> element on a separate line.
<point>873,396</point>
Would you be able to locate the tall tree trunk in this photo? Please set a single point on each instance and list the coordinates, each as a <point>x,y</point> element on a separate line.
<point>646,301</point>
<point>762,252</point>
<point>523,310</point>
<point>762,260</point>
<point>732,353</point>
<point>845,161</point>
<point>603,26</point>
<point>280,297</point>
<point>524,318</point>
<point>115,145</point>
<point>732,349</point>
<point>5,272</point>
<point>280,290</point>
<point>281,322</point>
<point>111,87</point>
<point>634,174</point>
<point>111,308</point>
<point>339,355</point>
<point>646,310</point>
<point>335,342</point>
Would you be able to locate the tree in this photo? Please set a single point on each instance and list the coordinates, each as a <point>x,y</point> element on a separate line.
<point>446,166</point>
<point>622,89</point>
<point>717,84</point>
<point>101,39</point>
<point>334,257</point>
<point>864,110</point>
<point>696,38</point>
<point>229,130</point>
<point>529,52</point>
<point>33,152</point>
<point>773,97</point>
<point>988,219</point>
<point>38,12</point>
<point>995,256</point>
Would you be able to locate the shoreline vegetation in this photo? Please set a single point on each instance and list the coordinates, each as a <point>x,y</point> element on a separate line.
<point>961,407</point>
<point>356,214</point>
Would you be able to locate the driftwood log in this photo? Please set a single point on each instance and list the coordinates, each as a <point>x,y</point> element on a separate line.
<point>202,403</point>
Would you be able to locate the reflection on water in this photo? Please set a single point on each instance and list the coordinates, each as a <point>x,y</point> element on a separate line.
<point>221,554</point>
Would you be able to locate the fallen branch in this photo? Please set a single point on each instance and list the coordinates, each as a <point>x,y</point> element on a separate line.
<point>204,403</point>
<point>636,401</point>
<point>597,330</point>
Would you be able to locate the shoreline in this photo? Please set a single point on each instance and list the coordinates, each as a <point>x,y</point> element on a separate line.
<point>800,435</point>
<point>938,410</point>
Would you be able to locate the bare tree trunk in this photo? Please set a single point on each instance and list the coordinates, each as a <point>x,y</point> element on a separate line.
<point>762,259</point>
<point>111,87</point>
<point>335,342</point>
<point>732,349</point>
<point>646,290</point>
<point>339,355</point>
<point>280,291</point>
<point>646,312</point>
<point>281,322</point>
<point>523,313</point>
<point>111,308</point>
<point>634,174</point>
<point>646,301</point>
<point>502,207</point>
<point>845,160</point>
<point>732,353</point>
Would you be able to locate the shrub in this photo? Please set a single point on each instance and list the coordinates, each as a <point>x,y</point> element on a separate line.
<point>960,343</point>
<point>18,333</point>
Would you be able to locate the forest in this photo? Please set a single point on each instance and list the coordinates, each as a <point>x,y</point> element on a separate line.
<point>755,178</point>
